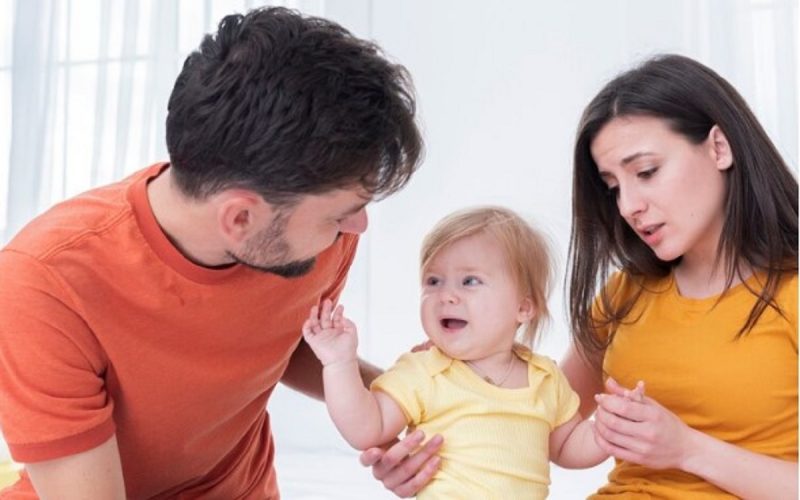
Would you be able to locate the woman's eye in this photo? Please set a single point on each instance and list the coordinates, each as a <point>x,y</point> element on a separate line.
<point>471,281</point>
<point>648,173</point>
<point>613,191</point>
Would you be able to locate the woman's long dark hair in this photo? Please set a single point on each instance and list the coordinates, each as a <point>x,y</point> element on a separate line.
<point>760,227</point>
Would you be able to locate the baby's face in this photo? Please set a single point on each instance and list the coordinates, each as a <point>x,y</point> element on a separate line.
<point>471,306</point>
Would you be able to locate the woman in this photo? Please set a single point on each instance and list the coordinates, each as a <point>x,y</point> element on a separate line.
<point>685,210</point>
<point>679,190</point>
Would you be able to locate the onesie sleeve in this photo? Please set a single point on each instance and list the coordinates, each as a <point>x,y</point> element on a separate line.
<point>53,400</point>
<point>408,383</point>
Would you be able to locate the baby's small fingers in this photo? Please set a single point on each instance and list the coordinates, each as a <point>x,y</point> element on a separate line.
<point>312,327</point>
<point>338,316</point>
<point>325,314</point>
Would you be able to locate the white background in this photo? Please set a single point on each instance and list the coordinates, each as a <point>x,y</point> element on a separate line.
<point>500,84</point>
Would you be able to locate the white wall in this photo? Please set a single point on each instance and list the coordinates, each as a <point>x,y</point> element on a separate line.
<point>501,86</point>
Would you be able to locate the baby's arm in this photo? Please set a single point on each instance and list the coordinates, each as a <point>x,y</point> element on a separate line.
<point>572,445</point>
<point>364,419</point>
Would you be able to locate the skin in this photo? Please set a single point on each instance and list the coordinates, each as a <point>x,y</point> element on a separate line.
<point>683,201</point>
<point>209,232</point>
<point>471,309</point>
<point>663,181</point>
<point>469,281</point>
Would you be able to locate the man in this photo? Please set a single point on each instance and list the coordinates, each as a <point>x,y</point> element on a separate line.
<point>144,324</point>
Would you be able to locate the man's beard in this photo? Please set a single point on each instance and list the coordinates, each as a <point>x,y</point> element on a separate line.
<point>268,250</point>
<point>294,269</point>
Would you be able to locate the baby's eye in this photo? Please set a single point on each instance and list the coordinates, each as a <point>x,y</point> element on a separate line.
<point>432,281</point>
<point>471,281</point>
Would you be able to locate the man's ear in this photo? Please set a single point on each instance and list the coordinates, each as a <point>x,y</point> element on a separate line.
<point>720,148</point>
<point>240,214</point>
<point>527,311</point>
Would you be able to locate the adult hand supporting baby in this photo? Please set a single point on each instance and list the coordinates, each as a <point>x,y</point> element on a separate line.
<point>405,468</point>
<point>640,430</point>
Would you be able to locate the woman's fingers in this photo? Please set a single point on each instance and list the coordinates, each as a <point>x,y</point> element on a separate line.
<point>621,406</point>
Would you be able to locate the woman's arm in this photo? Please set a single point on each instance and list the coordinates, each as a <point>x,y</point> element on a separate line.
<point>584,378</point>
<point>646,433</point>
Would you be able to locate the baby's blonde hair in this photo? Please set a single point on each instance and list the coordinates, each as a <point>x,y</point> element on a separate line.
<point>526,250</point>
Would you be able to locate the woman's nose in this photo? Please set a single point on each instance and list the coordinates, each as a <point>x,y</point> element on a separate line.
<point>629,202</point>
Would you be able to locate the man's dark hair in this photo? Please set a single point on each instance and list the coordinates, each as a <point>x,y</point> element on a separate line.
<point>285,105</point>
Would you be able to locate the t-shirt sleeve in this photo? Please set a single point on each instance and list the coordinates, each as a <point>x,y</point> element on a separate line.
<point>407,382</point>
<point>53,401</point>
<point>567,400</point>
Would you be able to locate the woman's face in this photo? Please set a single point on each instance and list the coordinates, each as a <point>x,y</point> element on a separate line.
<point>671,192</point>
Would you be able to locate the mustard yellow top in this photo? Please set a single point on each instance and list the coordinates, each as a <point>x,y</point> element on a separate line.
<point>495,439</point>
<point>740,391</point>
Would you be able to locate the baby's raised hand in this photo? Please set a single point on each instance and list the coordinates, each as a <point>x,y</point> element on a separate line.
<point>331,336</point>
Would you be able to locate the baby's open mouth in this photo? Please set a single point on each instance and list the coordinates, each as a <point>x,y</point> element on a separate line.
<point>453,323</point>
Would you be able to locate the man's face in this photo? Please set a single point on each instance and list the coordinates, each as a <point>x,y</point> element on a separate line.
<point>294,236</point>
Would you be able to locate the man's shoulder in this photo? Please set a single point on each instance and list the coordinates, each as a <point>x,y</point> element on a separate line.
<point>70,223</point>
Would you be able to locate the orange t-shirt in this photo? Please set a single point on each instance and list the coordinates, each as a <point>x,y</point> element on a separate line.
<point>106,328</point>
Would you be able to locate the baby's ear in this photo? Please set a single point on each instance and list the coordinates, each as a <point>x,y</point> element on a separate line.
<point>527,311</point>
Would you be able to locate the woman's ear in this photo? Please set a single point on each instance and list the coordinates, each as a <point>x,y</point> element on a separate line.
<point>720,148</point>
<point>527,311</point>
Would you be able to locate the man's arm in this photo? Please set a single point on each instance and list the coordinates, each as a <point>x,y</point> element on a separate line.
<point>96,473</point>
<point>304,373</point>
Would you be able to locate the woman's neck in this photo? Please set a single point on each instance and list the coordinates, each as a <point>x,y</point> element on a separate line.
<point>701,278</point>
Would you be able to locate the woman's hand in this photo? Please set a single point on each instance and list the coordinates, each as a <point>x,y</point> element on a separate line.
<point>635,428</point>
<point>405,468</point>
<point>644,432</point>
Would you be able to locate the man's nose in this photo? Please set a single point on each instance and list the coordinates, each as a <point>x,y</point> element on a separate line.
<point>356,223</point>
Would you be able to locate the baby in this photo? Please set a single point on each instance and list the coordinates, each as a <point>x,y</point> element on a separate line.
<point>504,411</point>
